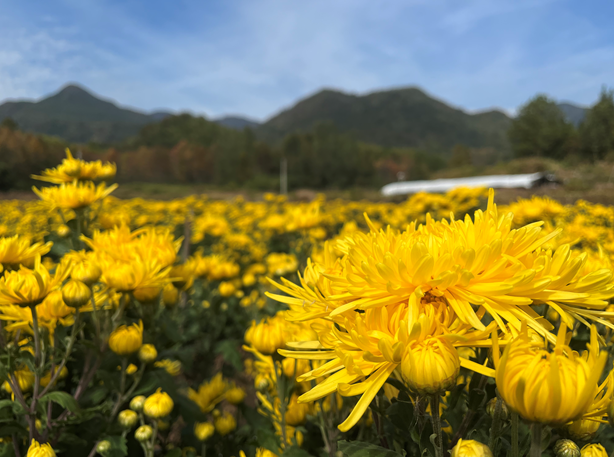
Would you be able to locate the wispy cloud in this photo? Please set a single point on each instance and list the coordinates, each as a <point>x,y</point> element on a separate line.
<point>254,57</point>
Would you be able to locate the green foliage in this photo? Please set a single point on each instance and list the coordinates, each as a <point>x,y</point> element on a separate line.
<point>597,130</point>
<point>540,129</point>
<point>362,449</point>
<point>393,118</point>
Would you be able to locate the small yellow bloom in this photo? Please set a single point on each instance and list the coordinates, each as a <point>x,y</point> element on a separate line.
<point>235,395</point>
<point>470,448</point>
<point>127,418</point>
<point>87,272</point>
<point>267,336</point>
<point>126,340</point>
<point>148,353</point>
<point>203,430</point>
<point>17,250</point>
<point>76,294</point>
<point>47,377</point>
<point>263,452</point>
<point>593,450</point>
<point>40,450</point>
<point>143,433</point>
<point>29,287</point>
<point>158,405</point>
<point>225,424</point>
<point>170,295</point>
<point>172,367</point>
<point>226,288</point>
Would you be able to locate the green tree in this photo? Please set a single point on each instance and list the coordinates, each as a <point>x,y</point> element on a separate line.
<point>540,129</point>
<point>597,130</point>
<point>461,156</point>
<point>9,123</point>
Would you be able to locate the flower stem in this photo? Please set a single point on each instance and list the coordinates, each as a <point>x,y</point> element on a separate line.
<point>37,369</point>
<point>282,404</point>
<point>536,440</point>
<point>495,429</point>
<point>203,451</point>
<point>514,434</point>
<point>436,419</point>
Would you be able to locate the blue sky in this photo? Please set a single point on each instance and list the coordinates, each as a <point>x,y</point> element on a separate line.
<point>255,57</point>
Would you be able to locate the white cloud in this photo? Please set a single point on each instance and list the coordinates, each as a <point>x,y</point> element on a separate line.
<point>255,57</point>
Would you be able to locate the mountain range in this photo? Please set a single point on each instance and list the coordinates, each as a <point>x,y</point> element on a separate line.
<point>406,117</point>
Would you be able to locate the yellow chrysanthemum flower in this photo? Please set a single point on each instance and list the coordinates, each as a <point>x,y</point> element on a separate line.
<point>72,169</point>
<point>126,340</point>
<point>549,387</point>
<point>18,250</point>
<point>40,450</point>
<point>74,195</point>
<point>29,287</point>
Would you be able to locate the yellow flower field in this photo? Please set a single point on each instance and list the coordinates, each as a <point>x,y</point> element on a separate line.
<point>443,325</point>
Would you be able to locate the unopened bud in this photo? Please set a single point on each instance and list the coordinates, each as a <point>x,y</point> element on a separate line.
<point>143,433</point>
<point>566,448</point>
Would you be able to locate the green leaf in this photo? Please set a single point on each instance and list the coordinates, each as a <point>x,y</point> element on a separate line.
<point>63,399</point>
<point>361,449</point>
<point>173,453</point>
<point>118,446</point>
<point>295,452</point>
<point>230,351</point>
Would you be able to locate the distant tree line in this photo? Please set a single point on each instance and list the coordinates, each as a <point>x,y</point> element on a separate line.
<point>541,129</point>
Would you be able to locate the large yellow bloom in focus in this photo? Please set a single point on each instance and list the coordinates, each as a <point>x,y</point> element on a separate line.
<point>17,250</point>
<point>549,387</point>
<point>480,263</point>
<point>29,287</point>
<point>74,195</point>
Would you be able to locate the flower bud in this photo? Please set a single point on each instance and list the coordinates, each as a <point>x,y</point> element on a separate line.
<point>261,383</point>
<point>566,448</point>
<point>40,450</point>
<point>266,336</point>
<point>126,340</point>
<point>296,413</point>
<point>143,433</point>
<point>127,418</point>
<point>583,429</point>
<point>170,295</point>
<point>491,407</point>
<point>203,430</point>
<point>470,448</point>
<point>593,450</point>
<point>158,404</point>
<point>226,288</point>
<point>63,231</point>
<point>136,404</point>
<point>225,424</point>
<point>103,446</point>
<point>430,366</point>
<point>235,395</point>
<point>76,294</point>
<point>87,272</point>
<point>148,353</point>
